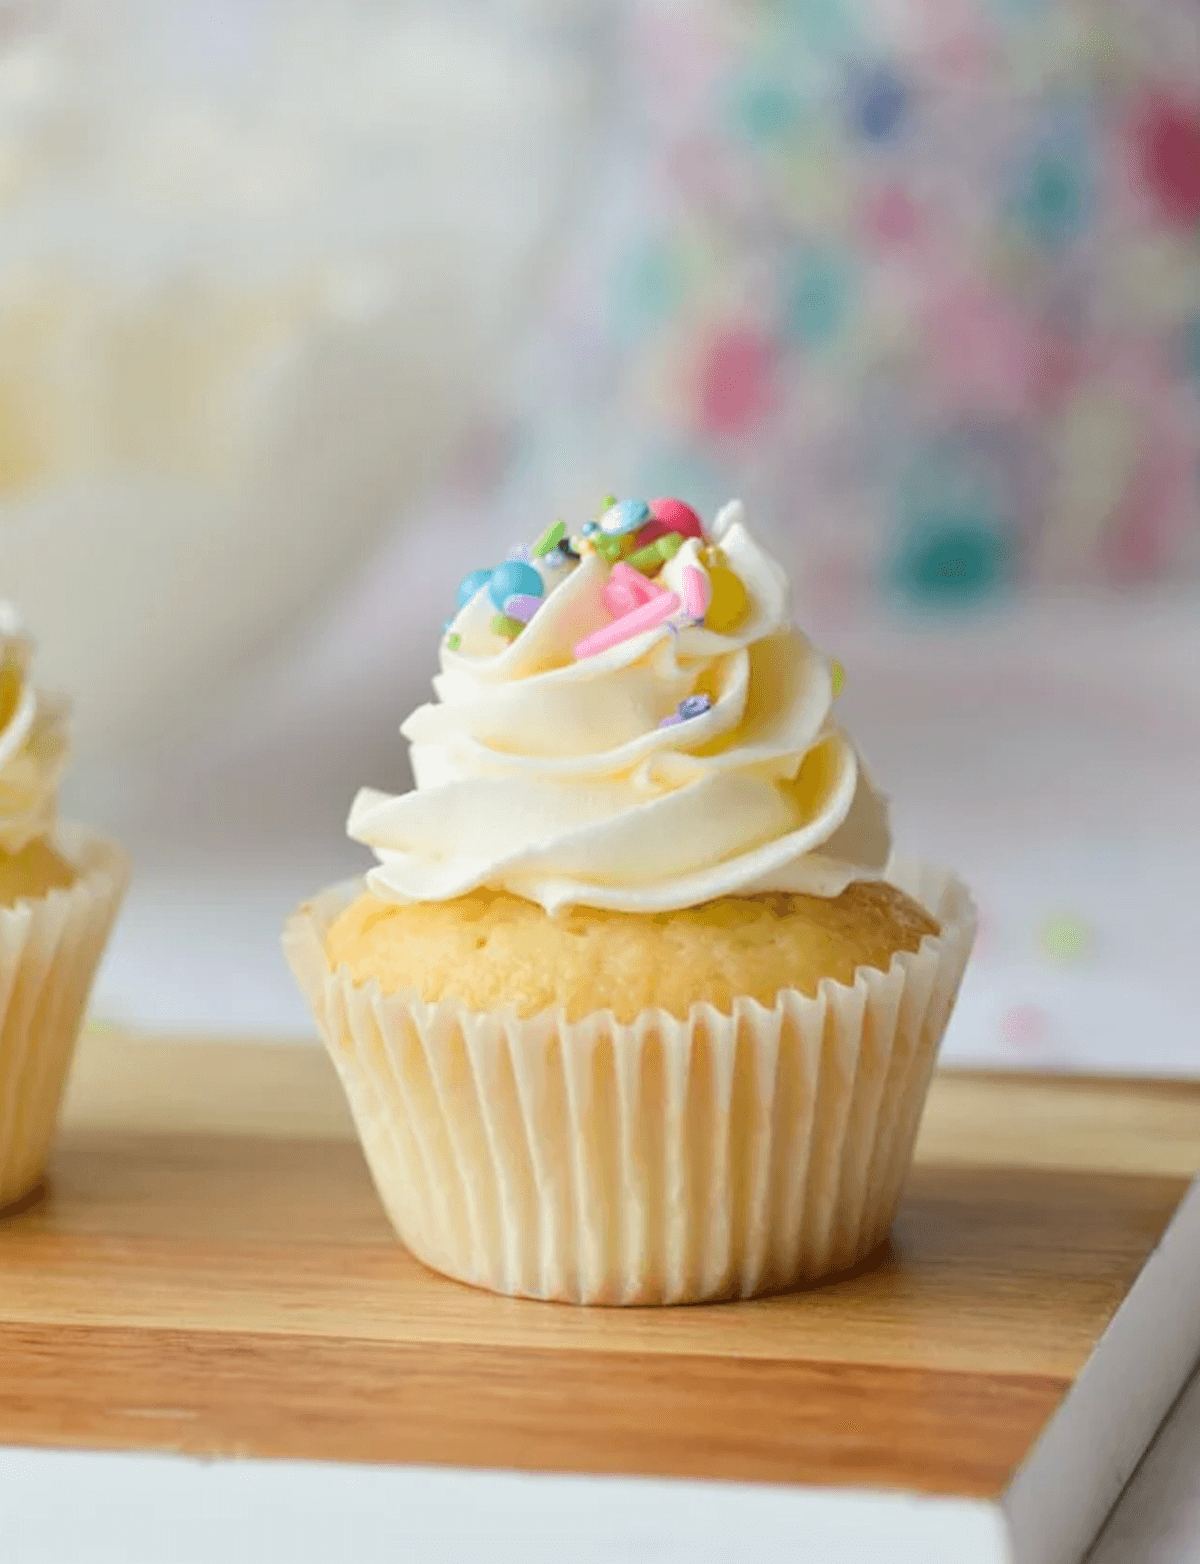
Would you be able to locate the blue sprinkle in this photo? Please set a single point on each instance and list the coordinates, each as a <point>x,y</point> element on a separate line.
<point>817,300</point>
<point>626,516</point>
<point>1053,197</point>
<point>514,578</point>
<point>767,110</point>
<point>880,104</point>
<point>471,584</point>
<point>958,559</point>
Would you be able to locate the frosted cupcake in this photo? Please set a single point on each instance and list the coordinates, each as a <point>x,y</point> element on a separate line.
<point>636,1006</point>
<point>60,888</point>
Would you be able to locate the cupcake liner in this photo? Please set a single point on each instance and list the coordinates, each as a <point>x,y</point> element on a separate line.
<point>50,947</point>
<point>663,1161</point>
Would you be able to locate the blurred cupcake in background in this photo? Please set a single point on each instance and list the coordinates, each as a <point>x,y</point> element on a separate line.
<point>60,888</point>
<point>242,314</point>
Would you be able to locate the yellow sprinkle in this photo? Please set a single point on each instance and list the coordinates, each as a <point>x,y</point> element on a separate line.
<point>837,675</point>
<point>729,601</point>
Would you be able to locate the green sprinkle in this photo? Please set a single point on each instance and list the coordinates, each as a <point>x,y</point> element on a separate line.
<point>610,548</point>
<point>1066,936</point>
<point>609,501</point>
<point>656,553</point>
<point>550,539</point>
<point>837,675</point>
<point>508,628</point>
<point>669,545</point>
<point>454,641</point>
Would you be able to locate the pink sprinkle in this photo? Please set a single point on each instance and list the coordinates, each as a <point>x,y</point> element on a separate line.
<point>1169,138</point>
<point>670,516</point>
<point>1023,1026</point>
<point>628,589</point>
<point>738,382</point>
<point>697,593</point>
<point>643,618</point>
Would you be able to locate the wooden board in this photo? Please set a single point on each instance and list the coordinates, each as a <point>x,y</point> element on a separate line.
<point>211,1272</point>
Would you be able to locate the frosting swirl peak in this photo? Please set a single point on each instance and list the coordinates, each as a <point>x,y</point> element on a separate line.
<point>33,742</point>
<point>639,767</point>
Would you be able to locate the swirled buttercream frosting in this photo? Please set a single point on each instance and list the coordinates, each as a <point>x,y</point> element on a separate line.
<point>626,718</point>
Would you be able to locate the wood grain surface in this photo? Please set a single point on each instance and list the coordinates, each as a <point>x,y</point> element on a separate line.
<point>210,1271</point>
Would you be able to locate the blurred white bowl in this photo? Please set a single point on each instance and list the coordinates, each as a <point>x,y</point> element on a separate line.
<point>255,261</point>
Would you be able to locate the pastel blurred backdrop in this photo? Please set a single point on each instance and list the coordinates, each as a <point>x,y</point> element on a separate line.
<point>918,279</point>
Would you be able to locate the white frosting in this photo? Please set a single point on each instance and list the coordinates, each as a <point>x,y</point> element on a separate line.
<point>550,777</point>
<point>33,742</point>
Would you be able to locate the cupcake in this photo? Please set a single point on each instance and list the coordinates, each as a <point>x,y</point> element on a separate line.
<point>636,1005</point>
<point>60,888</point>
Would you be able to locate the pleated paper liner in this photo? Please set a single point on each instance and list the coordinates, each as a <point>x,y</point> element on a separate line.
<point>664,1161</point>
<point>50,947</point>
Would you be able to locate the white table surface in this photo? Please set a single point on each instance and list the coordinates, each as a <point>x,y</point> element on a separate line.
<point>1053,756</point>
<point>72,1508</point>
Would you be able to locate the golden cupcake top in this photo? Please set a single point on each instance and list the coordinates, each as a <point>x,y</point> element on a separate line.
<point>626,718</point>
<point>33,742</point>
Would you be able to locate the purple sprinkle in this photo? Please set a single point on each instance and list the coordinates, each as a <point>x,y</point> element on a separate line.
<point>522,606</point>
<point>690,706</point>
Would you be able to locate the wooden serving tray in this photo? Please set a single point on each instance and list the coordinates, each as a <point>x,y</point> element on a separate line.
<point>210,1272</point>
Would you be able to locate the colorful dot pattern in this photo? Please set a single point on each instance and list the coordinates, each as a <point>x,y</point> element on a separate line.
<point>924,268</point>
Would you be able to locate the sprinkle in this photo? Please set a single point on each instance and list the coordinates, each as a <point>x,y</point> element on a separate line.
<point>691,706</point>
<point>608,502</point>
<point>454,641</point>
<point>508,628</point>
<point>670,516</point>
<point>550,539</point>
<point>1066,936</point>
<point>522,606</point>
<point>1023,1026</point>
<point>610,548</point>
<point>837,676</point>
<point>512,577</point>
<point>472,584</point>
<point>628,516</point>
<point>656,553</point>
<point>589,527</point>
<point>628,589</point>
<point>696,593</point>
<point>729,600</point>
<point>643,618</point>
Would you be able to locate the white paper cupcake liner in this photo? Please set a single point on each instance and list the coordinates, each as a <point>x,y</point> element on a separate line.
<point>50,947</point>
<point>664,1161</point>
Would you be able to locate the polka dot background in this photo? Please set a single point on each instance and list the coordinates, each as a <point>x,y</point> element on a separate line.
<point>920,279</point>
